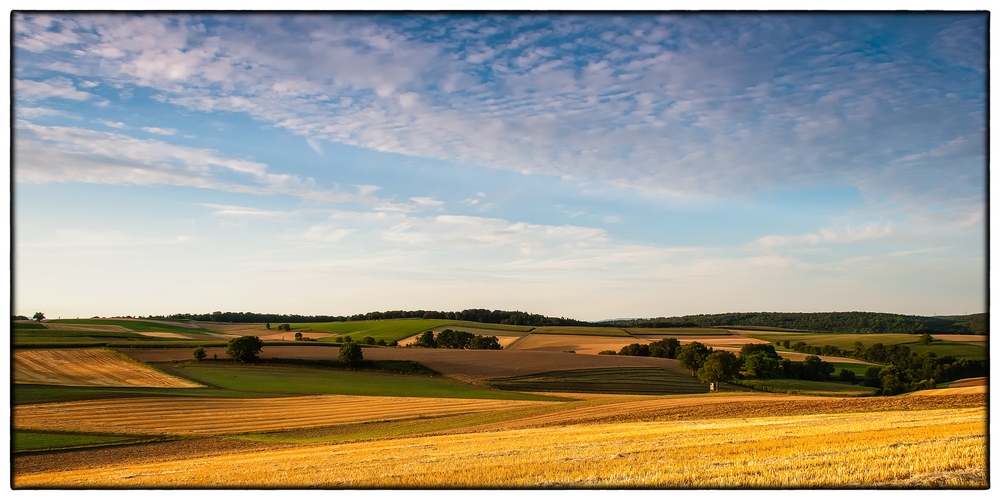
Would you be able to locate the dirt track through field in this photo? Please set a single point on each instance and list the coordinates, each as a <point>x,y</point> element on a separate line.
<point>211,416</point>
<point>88,367</point>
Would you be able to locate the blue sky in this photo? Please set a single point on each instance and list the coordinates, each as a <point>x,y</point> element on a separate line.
<point>589,166</point>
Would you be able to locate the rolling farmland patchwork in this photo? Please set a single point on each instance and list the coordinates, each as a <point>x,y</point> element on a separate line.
<point>531,415</point>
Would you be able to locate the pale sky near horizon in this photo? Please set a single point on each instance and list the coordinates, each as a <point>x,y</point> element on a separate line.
<point>588,166</point>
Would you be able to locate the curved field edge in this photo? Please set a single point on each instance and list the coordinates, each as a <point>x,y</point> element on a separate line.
<point>943,447</point>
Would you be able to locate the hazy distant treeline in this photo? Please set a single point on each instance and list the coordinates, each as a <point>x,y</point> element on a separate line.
<point>836,322</point>
<point>478,315</point>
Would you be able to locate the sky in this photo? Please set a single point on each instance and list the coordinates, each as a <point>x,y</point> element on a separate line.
<point>591,166</point>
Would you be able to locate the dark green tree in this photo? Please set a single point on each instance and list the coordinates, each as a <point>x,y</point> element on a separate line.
<point>267,325</point>
<point>720,366</point>
<point>426,339</point>
<point>298,335</point>
<point>634,350</point>
<point>38,316</point>
<point>484,342</point>
<point>199,353</point>
<point>666,348</point>
<point>454,339</point>
<point>245,349</point>
<point>368,340</point>
<point>692,356</point>
<point>926,339</point>
<point>350,354</point>
<point>759,364</point>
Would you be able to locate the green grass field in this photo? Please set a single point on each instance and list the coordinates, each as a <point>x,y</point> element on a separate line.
<point>387,330</point>
<point>808,387</point>
<point>135,325</point>
<point>602,331</point>
<point>22,441</point>
<point>489,326</point>
<point>27,325</point>
<point>841,340</point>
<point>605,380</point>
<point>676,331</point>
<point>956,349</point>
<point>295,380</point>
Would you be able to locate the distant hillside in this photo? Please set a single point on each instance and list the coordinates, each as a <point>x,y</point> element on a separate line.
<point>836,322</point>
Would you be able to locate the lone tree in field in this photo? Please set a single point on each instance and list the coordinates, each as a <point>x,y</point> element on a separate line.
<point>692,356</point>
<point>350,354</point>
<point>245,349</point>
<point>38,316</point>
<point>720,366</point>
<point>298,335</point>
<point>926,339</point>
<point>199,353</point>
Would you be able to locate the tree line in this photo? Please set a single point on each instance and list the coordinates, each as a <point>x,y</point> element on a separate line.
<point>497,316</point>
<point>834,322</point>
<point>451,339</point>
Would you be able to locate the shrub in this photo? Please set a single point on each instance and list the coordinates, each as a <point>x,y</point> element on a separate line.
<point>608,352</point>
<point>350,354</point>
<point>245,349</point>
<point>368,340</point>
<point>380,342</point>
<point>298,335</point>
<point>634,350</point>
<point>199,353</point>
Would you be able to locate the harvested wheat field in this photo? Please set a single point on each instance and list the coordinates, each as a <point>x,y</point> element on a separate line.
<point>211,416</point>
<point>942,448</point>
<point>88,367</point>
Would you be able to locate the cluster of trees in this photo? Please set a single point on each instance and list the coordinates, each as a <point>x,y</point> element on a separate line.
<point>451,339</point>
<point>837,322</point>
<point>247,349</point>
<point>369,340</point>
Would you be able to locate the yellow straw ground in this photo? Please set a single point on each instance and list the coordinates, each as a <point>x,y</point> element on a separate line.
<point>88,367</point>
<point>209,416</point>
<point>923,447</point>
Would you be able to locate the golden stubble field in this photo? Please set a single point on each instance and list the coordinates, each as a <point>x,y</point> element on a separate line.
<point>937,447</point>
<point>88,367</point>
<point>212,416</point>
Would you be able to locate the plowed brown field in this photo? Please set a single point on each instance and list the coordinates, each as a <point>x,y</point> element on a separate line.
<point>212,416</point>
<point>88,367</point>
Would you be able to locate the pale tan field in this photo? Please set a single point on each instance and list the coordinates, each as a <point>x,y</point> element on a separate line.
<point>210,416</point>
<point>944,448</point>
<point>88,367</point>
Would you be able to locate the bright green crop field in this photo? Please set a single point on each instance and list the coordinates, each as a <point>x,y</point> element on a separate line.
<point>281,380</point>
<point>386,329</point>
<point>134,325</point>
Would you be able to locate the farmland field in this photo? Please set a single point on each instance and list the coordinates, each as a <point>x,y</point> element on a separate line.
<point>305,380</point>
<point>387,330</point>
<point>809,387</point>
<point>298,420</point>
<point>582,330</point>
<point>88,367</point>
<point>822,450</point>
<point>135,325</point>
<point>605,381</point>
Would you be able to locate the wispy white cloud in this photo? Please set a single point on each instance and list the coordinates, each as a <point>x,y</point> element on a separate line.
<point>59,87</point>
<point>160,131</point>
<point>847,234</point>
<point>112,124</point>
